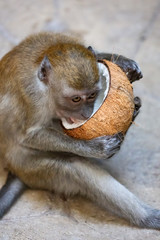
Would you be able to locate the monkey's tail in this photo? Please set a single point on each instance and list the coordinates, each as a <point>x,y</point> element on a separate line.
<point>9,193</point>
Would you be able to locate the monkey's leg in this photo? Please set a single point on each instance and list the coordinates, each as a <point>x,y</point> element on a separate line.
<point>72,175</point>
<point>129,66</point>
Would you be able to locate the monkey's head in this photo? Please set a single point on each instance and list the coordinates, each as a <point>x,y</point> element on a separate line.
<point>70,71</point>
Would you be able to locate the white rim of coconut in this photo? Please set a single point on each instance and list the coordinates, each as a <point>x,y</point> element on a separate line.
<point>104,77</point>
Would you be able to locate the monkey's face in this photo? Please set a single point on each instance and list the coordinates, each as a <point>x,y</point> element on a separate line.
<point>72,92</point>
<point>74,86</point>
<point>75,106</point>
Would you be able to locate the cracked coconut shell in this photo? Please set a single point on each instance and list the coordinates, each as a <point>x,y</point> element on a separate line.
<point>115,114</point>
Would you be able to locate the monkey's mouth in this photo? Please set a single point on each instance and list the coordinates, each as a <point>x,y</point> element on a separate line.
<point>68,120</point>
<point>72,120</point>
<point>104,77</point>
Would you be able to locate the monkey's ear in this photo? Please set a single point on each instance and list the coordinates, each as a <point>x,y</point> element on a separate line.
<point>91,49</point>
<point>44,70</point>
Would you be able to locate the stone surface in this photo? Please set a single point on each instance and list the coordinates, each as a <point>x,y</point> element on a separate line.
<point>127,27</point>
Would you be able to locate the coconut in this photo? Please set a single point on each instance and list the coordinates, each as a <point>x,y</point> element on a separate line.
<point>113,108</point>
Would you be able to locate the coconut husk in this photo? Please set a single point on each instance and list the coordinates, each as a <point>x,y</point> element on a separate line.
<point>115,114</point>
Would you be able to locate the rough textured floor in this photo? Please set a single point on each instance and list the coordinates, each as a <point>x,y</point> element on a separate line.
<point>128,27</point>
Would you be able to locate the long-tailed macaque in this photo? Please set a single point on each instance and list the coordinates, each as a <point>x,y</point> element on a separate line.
<point>45,78</point>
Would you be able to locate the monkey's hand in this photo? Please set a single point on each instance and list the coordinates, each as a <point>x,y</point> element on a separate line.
<point>129,66</point>
<point>106,146</point>
<point>138,104</point>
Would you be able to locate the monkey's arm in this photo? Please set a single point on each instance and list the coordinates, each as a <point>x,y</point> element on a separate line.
<point>55,141</point>
<point>129,66</point>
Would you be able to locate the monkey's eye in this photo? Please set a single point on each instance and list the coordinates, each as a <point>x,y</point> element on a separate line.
<point>93,95</point>
<point>76,99</point>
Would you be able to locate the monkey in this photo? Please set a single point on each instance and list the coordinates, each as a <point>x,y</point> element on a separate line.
<point>45,78</point>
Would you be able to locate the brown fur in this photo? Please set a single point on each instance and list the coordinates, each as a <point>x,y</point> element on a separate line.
<point>62,51</point>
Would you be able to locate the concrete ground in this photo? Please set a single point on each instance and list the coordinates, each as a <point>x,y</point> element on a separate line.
<point>127,27</point>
